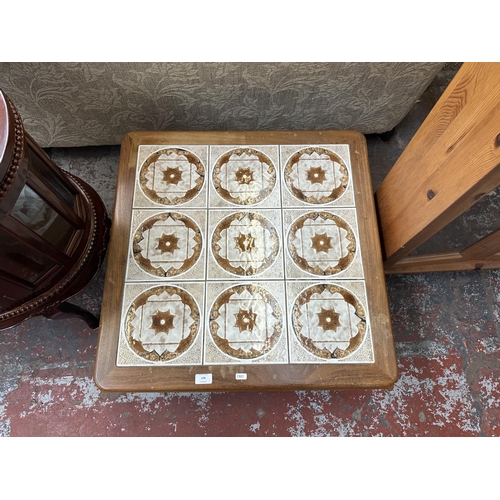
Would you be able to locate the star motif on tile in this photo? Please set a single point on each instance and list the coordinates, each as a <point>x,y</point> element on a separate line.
<point>245,320</point>
<point>172,175</point>
<point>244,176</point>
<point>328,319</point>
<point>245,242</point>
<point>168,243</point>
<point>321,242</point>
<point>162,322</point>
<point>316,175</point>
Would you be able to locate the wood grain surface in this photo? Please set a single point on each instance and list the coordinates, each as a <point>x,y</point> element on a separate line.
<point>451,162</point>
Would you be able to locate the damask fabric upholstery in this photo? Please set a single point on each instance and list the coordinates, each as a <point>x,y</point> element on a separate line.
<point>80,104</point>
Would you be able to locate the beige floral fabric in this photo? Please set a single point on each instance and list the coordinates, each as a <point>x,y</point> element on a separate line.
<point>80,104</point>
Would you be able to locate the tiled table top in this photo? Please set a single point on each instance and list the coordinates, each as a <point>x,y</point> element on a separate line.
<point>241,263</point>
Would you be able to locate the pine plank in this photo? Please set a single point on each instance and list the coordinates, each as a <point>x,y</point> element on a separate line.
<point>451,162</point>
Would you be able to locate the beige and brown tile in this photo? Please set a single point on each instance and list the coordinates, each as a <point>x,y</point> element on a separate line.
<point>162,324</point>
<point>172,176</point>
<point>245,243</point>
<point>244,176</point>
<point>316,176</point>
<point>322,243</point>
<point>246,323</point>
<point>167,245</point>
<point>329,322</point>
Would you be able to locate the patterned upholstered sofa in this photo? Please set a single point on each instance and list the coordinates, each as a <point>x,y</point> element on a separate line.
<point>81,104</point>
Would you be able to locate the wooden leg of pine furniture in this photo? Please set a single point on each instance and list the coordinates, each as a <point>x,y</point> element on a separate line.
<point>451,163</point>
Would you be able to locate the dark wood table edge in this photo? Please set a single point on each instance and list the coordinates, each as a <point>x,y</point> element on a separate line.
<point>382,374</point>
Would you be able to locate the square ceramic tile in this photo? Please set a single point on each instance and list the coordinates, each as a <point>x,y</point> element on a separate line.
<point>162,324</point>
<point>322,244</point>
<point>246,323</point>
<point>171,176</point>
<point>167,245</point>
<point>316,176</point>
<point>244,177</point>
<point>245,244</point>
<point>329,322</point>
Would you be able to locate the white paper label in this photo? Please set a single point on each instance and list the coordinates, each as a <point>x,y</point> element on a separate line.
<point>241,376</point>
<point>203,378</point>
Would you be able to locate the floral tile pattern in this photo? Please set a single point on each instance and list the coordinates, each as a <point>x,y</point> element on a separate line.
<point>329,321</point>
<point>162,323</point>
<point>172,176</point>
<point>316,175</point>
<point>281,218</point>
<point>245,244</point>
<point>321,243</point>
<point>246,323</point>
<point>244,176</point>
<point>167,244</point>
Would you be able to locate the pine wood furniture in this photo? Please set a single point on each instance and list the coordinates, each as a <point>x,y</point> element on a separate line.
<point>139,315</point>
<point>53,229</point>
<point>452,161</point>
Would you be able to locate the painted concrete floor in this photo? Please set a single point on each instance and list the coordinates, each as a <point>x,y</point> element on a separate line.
<point>445,325</point>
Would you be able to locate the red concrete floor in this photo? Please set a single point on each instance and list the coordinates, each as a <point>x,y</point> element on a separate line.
<point>445,325</point>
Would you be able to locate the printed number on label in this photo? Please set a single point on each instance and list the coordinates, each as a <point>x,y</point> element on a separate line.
<point>203,378</point>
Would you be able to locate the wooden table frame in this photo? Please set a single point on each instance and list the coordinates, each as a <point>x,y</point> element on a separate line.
<point>451,162</point>
<point>381,374</point>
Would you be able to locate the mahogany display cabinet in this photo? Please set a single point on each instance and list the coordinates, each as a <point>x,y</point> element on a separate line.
<point>53,229</point>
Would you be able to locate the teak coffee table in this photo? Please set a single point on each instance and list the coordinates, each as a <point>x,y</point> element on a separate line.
<point>244,261</point>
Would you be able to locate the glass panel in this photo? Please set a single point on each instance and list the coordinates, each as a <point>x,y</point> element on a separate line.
<point>42,171</point>
<point>20,260</point>
<point>32,211</point>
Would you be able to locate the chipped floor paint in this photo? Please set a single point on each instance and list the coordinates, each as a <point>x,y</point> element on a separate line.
<point>431,398</point>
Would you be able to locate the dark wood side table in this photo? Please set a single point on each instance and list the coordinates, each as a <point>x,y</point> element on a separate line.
<point>54,229</point>
<point>244,261</point>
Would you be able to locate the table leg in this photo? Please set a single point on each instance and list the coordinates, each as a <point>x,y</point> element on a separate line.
<point>66,309</point>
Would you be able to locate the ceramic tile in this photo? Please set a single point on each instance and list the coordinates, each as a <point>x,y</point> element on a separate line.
<point>324,244</point>
<point>162,324</point>
<point>277,273</point>
<point>315,176</point>
<point>167,245</point>
<point>329,322</point>
<point>246,323</point>
<point>244,177</point>
<point>171,176</point>
<point>245,243</point>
